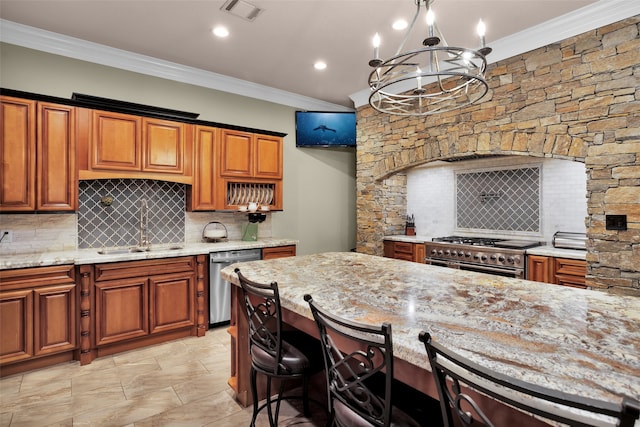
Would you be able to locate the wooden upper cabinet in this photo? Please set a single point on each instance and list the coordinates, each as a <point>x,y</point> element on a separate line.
<point>268,157</point>
<point>244,154</point>
<point>56,158</point>
<point>163,145</point>
<point>128,146</point>
<point>18,151</point>
<point>38,156</point>
<point>236,153</point>
<point>115,141</point>
<point>202,194</point>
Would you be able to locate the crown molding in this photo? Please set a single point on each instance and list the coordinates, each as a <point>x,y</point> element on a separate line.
<point>58,44</point>
<point>585,19</point>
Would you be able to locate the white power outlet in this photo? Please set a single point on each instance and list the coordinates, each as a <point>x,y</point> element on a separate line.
<point>6,236</point>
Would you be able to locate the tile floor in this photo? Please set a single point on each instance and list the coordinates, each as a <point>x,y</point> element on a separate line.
<point>180,383</point>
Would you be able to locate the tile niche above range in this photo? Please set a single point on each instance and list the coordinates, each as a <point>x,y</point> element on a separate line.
<point>505,196</point>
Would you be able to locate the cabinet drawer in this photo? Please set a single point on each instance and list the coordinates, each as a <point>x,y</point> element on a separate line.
<point>120,270</point>
<point>403,248</point>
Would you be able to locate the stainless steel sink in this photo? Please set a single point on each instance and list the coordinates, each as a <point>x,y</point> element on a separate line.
<point>134,249</point>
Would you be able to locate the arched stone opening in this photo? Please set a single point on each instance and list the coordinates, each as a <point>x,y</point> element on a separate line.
<point>578,100</point>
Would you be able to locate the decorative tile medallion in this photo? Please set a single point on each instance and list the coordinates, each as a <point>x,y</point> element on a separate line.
<point>499,200</point>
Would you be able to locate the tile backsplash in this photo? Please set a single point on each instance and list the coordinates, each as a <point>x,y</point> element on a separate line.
<point>117,222</point>
<point>95,225</point>
<point>499,199</point>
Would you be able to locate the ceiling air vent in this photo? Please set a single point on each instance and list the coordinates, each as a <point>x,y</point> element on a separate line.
<point>241,9</point>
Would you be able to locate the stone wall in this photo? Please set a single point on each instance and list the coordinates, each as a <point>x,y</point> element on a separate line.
<point>578,99</point>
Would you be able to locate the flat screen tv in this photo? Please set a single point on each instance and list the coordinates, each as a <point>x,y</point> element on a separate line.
<point>325,129</point>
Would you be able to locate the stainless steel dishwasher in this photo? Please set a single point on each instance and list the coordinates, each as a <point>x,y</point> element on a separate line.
<point>220,289</point>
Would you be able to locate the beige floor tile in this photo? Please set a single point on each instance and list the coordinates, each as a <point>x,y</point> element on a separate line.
<point>180,383</point>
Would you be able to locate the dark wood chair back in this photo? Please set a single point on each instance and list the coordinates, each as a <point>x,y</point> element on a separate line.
<point>450,370</point>
<point>350,375</point>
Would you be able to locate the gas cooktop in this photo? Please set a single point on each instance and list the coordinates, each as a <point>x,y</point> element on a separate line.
<point>487,241</point>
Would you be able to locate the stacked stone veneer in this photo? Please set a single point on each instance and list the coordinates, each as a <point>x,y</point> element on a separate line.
<point>578,99</point>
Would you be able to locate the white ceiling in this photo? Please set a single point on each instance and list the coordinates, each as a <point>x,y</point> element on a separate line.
<point>279,48</point>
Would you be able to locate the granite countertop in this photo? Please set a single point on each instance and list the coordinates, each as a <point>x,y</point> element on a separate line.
<point>578,341</point>
<point>91,256</point>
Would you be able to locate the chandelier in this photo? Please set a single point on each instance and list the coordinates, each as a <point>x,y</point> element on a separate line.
<point>432,79</point>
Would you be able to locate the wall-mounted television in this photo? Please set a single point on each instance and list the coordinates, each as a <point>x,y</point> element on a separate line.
<point>325,129</point>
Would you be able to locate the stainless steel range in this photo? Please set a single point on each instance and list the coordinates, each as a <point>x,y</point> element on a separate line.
<point>486,255</point>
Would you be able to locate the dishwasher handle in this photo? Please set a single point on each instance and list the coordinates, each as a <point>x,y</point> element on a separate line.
<point>229,257</point>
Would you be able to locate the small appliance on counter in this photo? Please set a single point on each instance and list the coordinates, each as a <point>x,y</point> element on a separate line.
<point>567,240</point>
<point>214,232</point>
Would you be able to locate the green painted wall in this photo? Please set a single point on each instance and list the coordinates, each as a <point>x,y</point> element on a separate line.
<point>319,184</point>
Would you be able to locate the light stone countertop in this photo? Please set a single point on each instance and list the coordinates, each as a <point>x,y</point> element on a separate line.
<point>544,250</point>
<point>91,256</point>
<point>578,341</point>
<point>548,250</point>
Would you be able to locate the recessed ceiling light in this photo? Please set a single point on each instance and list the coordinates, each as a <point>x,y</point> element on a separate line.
<point>400,24</point>
<point>220,31</point>
<point>320,65</point>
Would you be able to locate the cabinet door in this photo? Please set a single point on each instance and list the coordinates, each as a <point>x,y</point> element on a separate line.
<point>419,252</point>
<point>18,154</point>
<point>121,310</point>
<point>236,154</point>
<point>55,319</point>
<point>16,318</point>
<point>172,302</point>
<point>279,252</point>
<point>56,171</point>
<point>570,272</point>
<point>163,146</point>
<point>268,157</point>
<point>202,192</point>
<point>540,268</point>
<point>403,250</point>
<point>116,141</point>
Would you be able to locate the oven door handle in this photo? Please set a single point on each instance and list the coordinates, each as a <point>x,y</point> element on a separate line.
<point>489,268</point>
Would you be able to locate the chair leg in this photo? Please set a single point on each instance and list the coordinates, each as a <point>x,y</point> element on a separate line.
<point>273,422</point>
<point>280,392</point>
<point>254,392</point>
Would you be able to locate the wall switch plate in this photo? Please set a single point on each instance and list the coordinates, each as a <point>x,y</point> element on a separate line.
<point>6,236</point>
<point>616,222</point>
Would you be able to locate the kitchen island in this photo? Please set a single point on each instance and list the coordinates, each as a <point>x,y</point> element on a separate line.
<point>579,341</point>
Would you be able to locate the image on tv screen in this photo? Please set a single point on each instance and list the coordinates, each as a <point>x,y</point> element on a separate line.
<point>325,129</point>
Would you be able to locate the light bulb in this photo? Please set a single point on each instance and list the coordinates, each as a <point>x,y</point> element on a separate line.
<point>431,18</point>
<point>376,46</point>
<point>482,29</point>
<point>376,40</point>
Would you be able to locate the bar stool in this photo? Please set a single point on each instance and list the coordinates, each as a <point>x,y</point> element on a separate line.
<point>450,369</point>
<point>275,352</point>
<point>368,353</point>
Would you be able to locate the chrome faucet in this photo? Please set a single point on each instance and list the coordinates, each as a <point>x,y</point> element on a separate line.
<point>144,243</point>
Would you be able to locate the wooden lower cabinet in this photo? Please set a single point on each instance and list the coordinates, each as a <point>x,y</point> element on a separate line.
<point>122,311</point>
<point>279,252</point>
<point>38,317</point>
<point>540,268</point>
<point>570,272</point>
<point>559,271</point>
<point>137,303</point>
<point>407,251</point>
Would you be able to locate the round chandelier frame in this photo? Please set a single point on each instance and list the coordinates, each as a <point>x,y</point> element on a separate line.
<point>430,80</point>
